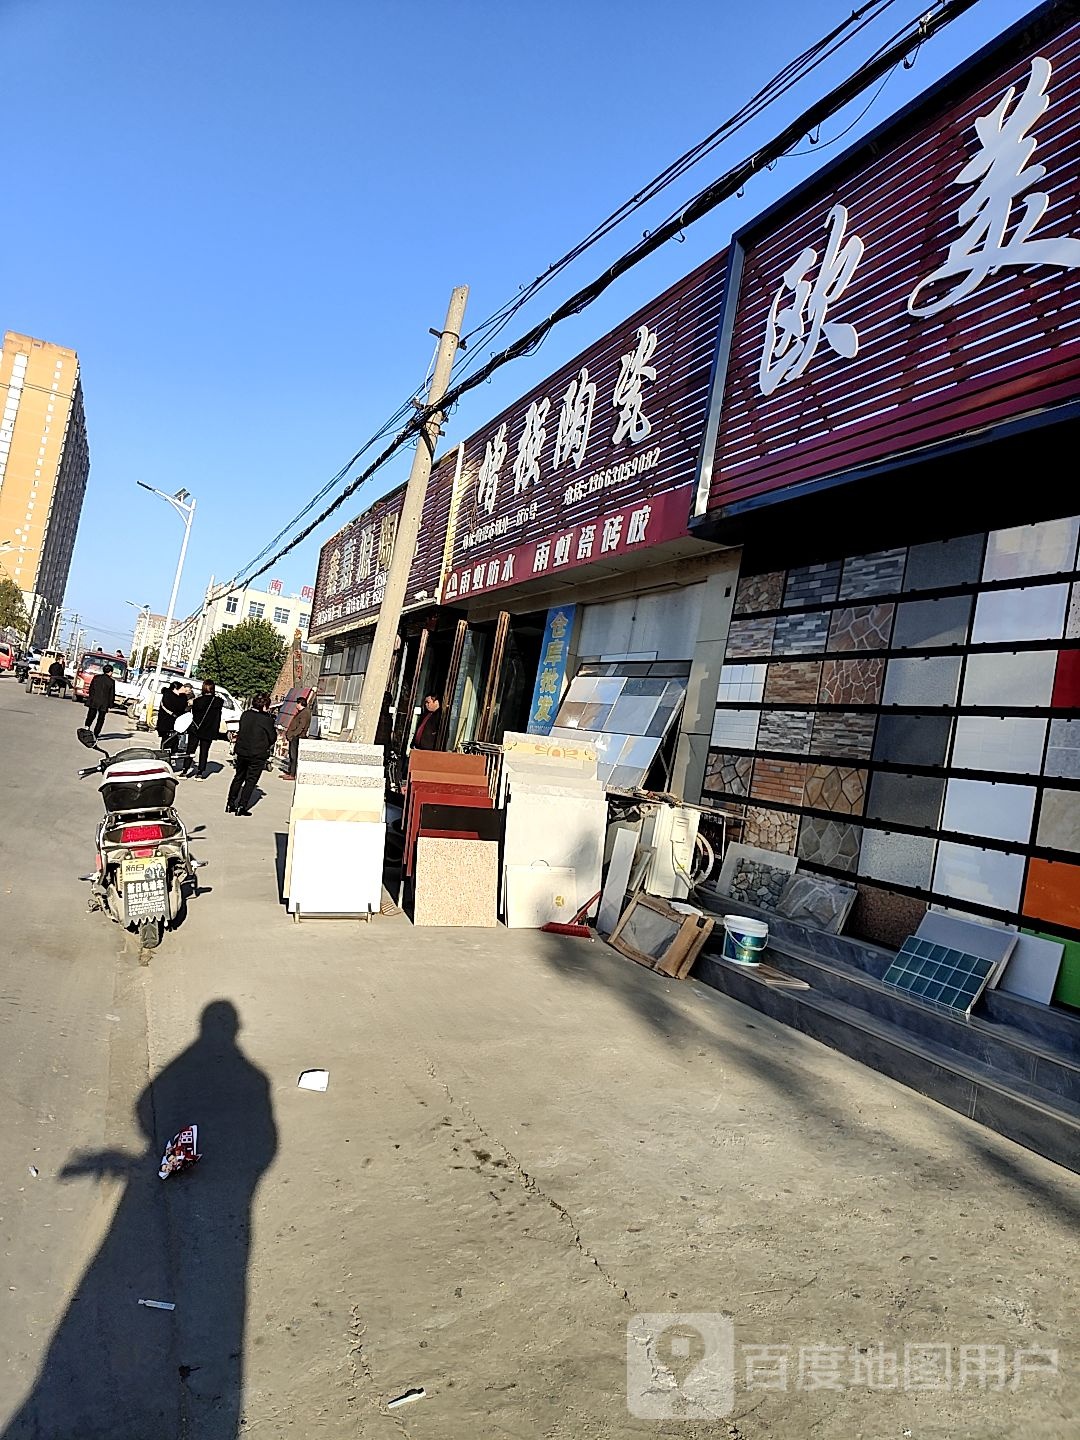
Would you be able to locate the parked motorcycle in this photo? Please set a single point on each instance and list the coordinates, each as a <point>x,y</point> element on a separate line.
<point>144,857</point>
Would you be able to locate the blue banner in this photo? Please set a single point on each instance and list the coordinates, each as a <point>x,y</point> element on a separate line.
<point>551,672</point>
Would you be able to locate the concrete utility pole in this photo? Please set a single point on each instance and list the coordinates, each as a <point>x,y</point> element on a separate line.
<point>397,579</point>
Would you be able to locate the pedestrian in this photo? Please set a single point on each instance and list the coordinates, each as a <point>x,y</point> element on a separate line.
<point>57,676</point>
<point>255,741</point>
<point>170,707</point>
<point>427,732</point>
<point>295,731</point>
<point>100,696</point>
<point>206,722</point>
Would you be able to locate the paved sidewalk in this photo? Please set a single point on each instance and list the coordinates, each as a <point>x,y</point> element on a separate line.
<point>526,1141</point>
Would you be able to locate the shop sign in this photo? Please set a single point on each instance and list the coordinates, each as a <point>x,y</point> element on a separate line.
<point>551,672</point>
<point>612,534</point>
<point>928,287</point>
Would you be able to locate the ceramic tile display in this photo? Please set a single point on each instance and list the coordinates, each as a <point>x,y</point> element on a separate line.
<point>628,716</point>
<point>879,715</point>
<point>456,882</point>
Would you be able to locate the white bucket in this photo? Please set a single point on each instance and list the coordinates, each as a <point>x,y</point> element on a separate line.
<point>744,939</point>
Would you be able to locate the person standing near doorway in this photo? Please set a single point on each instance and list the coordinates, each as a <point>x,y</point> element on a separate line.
<point>100,696</point>
<point>295,731</point>
<point>255,742</point>
<point>427,732</point>
<point>206,723</point>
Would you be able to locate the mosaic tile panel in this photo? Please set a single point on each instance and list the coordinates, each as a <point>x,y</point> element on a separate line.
<point>779,780</point>
<point>879,574</point>
<point>851,682</point>
<point>836,787</point>
<point>735,728</point>
<point>750,638</point>
<point>738,684</point>
<point>844,732</point>
<point>793,682</point>
<point>801,634</point>
<point>861,627</point>
<point>943,563</point>
<point>883,917</point>
<point>727,773</point>
<point>812,585</point>
<point>787,730</point>
<point>770,829</point>
<point>832,843</point>
<point>759,592</point>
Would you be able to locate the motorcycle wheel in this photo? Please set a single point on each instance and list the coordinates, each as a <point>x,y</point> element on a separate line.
<point>150,934</point>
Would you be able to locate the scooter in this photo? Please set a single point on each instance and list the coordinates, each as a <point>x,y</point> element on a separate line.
<point>144,856</point>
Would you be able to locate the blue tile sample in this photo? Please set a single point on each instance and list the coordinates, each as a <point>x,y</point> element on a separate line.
<point>939,975</point>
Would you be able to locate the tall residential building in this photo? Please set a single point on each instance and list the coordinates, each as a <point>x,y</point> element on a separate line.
<point>44,464</point>
<point>287,613</point>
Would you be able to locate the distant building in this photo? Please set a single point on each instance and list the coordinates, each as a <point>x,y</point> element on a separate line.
<point>44,465</point>
<point>149,630</point>
<point>287,613</point>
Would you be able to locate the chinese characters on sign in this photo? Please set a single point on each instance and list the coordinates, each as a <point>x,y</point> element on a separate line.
<point>307,593</point>
<point>274,588</point>
<point>551,672</point>
<point>633,424</point>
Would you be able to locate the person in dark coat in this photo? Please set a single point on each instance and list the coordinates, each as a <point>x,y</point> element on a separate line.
<point>427,732</point>
<point>100,696</point>
<point>255,742</point>
<point>295,731</point>
<point>206,722</point>
<point>170,707</point>
<point>58,676</point>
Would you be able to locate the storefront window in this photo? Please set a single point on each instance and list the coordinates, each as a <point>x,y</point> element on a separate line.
<point>469,691</point>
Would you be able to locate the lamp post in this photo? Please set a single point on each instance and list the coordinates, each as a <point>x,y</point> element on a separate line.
<point>144,616</point>
<point>184,505</point>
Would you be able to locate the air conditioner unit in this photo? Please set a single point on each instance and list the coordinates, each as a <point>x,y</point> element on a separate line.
<point>670,831</point>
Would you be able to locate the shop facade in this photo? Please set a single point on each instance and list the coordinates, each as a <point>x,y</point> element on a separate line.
<point>896,396</point>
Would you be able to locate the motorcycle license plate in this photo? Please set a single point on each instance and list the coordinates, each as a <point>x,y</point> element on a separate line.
<point>146,894</point>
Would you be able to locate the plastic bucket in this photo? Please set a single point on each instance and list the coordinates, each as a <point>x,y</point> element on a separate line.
<point>744,939</point>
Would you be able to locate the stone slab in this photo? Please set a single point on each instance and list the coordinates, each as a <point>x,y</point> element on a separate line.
<point>456,882</point>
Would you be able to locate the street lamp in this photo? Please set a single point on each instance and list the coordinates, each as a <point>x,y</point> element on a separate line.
<point>184,505</point>
<point>144,615</point>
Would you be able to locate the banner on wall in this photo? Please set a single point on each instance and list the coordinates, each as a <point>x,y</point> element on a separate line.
<point>551,672</point>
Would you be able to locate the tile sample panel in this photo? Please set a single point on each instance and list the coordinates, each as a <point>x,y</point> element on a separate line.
<point>759,592</point>
<point>938,975</point>
<point>735,729</point>
<point>884,917</point>
<point>812,585</point>
<point>1059,820</point>
<point>924,680</point>
<point>861,627</point>
<point>1019,678</point>
<point>1012,744</point>
<point>1066,693</point>
<point>1036,612</point>
<point>771,829</point>
<point>1001,812</point>
<point>1063,750</point>
<point>851,682</point>
<point>986,877</point>
<point>906,799</point>
<point>456,882</point>
<point>879,574</point>
<point>931,624</point>
<point>728,773</point>
<point>1053,892</point>
<point>835,787</point>
<point>913,739</point>
<point>833,843</point>
<point>801,634</point>
<point>793,682</point>
<point>944,563</point>
<point>1043,549</point>
<point>787,730</point>
<point>778,780</point>
<point>750,637</point>
<point>843,733</point>
<point>897,859</point>
<point>738,683</point>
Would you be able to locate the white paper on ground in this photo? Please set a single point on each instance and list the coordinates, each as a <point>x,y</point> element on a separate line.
<point>313,1080</point>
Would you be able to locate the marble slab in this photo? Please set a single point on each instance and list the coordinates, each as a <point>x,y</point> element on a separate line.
<point>336,868</point>
<point>456,883</point>
<point>335,752</point>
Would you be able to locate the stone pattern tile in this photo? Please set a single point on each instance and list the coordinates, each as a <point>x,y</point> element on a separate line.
<point>759,592</point>
<point>861,627</point>
<point>779,780</point>
<point>801,634</point>
<point>812,585</point>
<point>793,682</point>
<point>750,638</point>
<point>1059,820</point>
<point>881,573</point>
<point>770,829</point>
<point>727,773</point>
<point>843,732</point>
<point>883,917</point>
<point>852,682</point>
<point>829,842</point>
<point>787,730</point>
<point>836,787</point>
<point>1063,751</point>
<point>1072,622</point>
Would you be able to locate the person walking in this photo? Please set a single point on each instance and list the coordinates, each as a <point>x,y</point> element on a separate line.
<point>255,741</point>
<point>100,696</point>
<point>170,707</point>
<point>206,722</point>
<point>295,731</point>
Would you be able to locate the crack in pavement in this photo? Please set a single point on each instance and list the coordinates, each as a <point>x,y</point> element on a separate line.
<point>363,1381</point>
<point>528,1183</point>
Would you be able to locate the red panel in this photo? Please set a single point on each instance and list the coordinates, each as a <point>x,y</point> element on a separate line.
<point>1009,348</point>
<point>1067,682</point>
<point>1053,893</point>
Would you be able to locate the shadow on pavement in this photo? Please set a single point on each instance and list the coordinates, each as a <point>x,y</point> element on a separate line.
<point>117,1369</point>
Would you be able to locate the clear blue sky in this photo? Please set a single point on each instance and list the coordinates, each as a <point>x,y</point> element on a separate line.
<point>245,215</point>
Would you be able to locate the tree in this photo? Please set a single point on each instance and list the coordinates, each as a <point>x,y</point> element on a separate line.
<point>12,610</point>
<point>246,659</point>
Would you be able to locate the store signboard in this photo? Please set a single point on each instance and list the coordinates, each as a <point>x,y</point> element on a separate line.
<point>551,672</point>
<point>925,286</point>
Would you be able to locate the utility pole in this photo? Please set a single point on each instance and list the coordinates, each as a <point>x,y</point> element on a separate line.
<point>397,579</point>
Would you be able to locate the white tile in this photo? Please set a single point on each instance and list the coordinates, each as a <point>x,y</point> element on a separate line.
<point>977,807</point>
<point>1023,677</point>
<point>736,728</point>
<point>1034,613</point>
<point>985,877</point>
<point>1013,745</point>
<point>1043,549</point>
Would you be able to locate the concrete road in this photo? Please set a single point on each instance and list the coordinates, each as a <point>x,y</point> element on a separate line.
<point>526,1144</point>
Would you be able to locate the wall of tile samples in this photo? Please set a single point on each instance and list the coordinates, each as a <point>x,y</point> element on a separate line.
<point>911,718</point>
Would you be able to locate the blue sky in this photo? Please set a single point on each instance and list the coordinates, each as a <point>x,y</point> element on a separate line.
<point>245,215</point>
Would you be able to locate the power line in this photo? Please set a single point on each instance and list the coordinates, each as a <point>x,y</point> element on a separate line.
<point>885,59</point>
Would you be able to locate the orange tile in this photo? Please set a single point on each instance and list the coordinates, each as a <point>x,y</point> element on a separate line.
<point>1053,892</point>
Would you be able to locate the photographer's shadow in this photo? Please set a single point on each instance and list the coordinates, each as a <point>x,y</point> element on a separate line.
<point>117,1369</point>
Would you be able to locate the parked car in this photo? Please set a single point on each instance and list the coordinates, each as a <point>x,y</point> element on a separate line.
<point>7,657</point>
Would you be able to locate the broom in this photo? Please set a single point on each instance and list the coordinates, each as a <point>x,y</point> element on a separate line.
<point>574,925</point>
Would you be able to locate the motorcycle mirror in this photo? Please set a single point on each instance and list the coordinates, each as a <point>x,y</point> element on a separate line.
<point>87,738</point>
